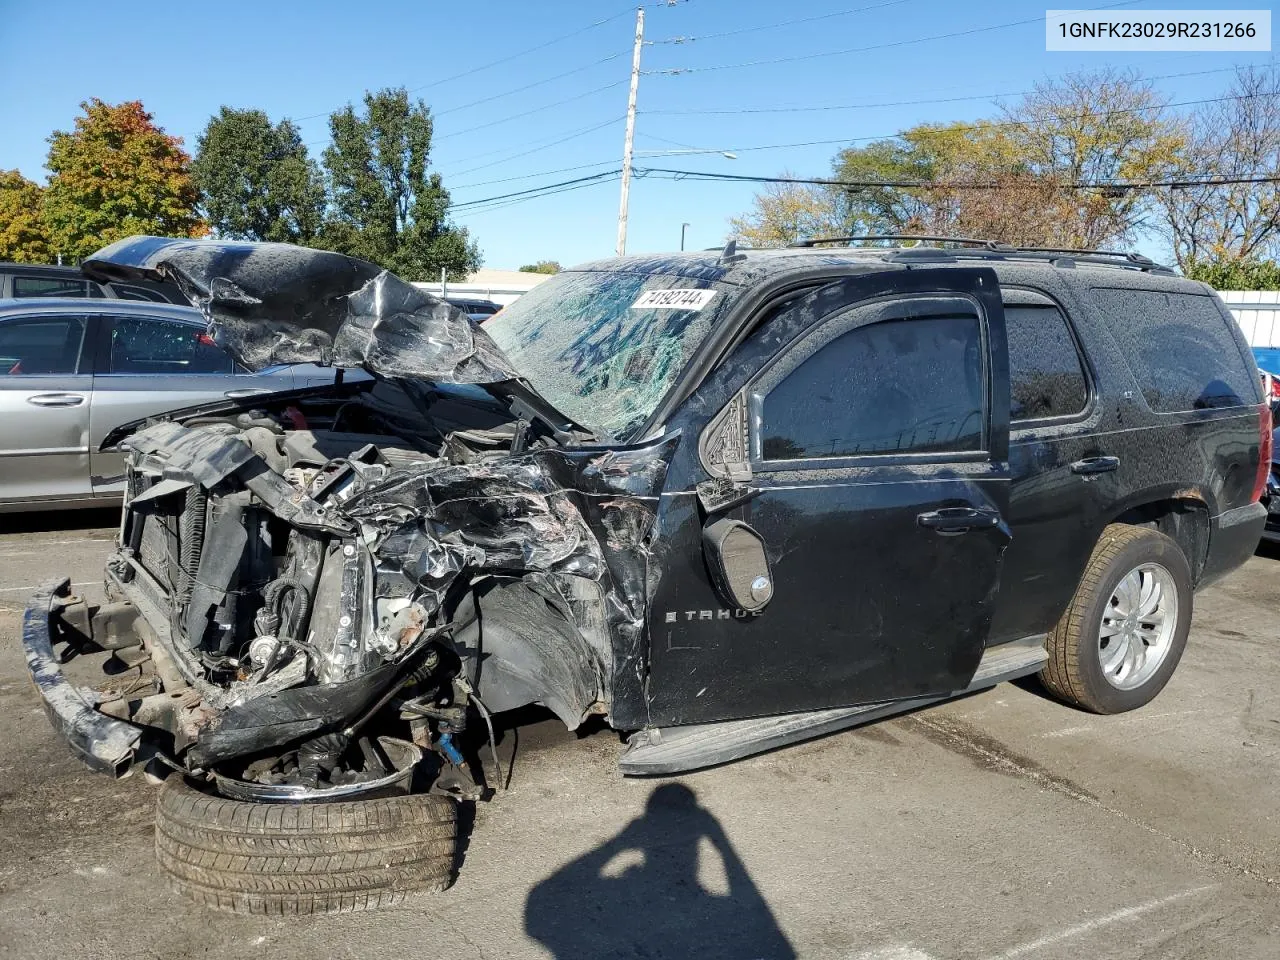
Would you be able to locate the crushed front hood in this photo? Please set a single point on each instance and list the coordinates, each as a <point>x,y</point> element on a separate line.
<point>274,303</point>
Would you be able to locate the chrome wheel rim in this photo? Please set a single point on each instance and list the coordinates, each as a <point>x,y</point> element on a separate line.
<point>1137,626</point>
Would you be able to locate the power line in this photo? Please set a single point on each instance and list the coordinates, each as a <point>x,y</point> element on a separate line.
<point>907,103</point>
<point>876,46</point>
<point>546,146</point>
<point>530,176</point>
<point>781,23</point>
<point>507,59</point>
<point>668,174</point>
<point>563,186</point>
<point>532,143</point>
<point>525,113</point>
<point>528,86</point>
<point>535,190</point>
<point>550,190</point>
<point>512,203</point>
<point>626,12</point>
<point>984,125</point>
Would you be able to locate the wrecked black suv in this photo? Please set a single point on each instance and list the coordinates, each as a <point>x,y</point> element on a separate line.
<point>725,501</point>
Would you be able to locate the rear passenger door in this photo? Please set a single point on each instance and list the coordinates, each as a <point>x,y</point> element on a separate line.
<point>1064,468</point>
<point>149,365</point>
<point>45,383</point>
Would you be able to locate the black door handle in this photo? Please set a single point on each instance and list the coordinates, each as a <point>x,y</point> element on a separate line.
<point>950,521</point>
<point>1091,465</point>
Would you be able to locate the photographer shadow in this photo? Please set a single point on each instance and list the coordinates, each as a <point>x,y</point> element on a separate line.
<point>639,895</point>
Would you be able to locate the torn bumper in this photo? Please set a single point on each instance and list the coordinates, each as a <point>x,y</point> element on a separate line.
<point>102,743</point>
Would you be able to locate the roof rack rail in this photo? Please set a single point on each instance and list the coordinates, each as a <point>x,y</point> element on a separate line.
<point>1131,257</point>
<point>969,241</point>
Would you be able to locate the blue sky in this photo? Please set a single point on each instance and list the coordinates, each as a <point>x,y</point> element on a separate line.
<point>302,60</point>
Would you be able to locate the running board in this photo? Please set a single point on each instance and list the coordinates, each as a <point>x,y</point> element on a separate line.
<point>658,751</point>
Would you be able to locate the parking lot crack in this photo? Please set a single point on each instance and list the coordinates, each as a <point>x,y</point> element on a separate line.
<point>990,754</point>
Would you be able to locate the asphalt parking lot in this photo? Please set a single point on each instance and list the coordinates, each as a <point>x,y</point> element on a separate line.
<point>1000,826</point>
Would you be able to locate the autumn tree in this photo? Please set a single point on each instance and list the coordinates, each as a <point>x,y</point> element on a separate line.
<point>785,212</point>
<point>387,205</point>
<point>24,236</point>
<point>1021,177</point>
<point>1095,128</point>
<point>542,266</point>
<point>256,180</point>
<point>117,174</point>
<point>1210,226</point>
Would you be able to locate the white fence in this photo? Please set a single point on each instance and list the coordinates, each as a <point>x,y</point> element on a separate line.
<point>1258,313</point>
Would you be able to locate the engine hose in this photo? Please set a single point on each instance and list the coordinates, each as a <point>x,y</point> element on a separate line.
<point>272,597</point>
<point>450,750</point>
<point>191,534</point>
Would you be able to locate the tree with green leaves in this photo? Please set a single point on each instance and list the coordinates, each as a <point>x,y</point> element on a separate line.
<point>386,205</point>
<point>1235,274</point>
<point>256,180</point>
<point>542,266</point>
<point>117,174</point>
<point>24,236</point>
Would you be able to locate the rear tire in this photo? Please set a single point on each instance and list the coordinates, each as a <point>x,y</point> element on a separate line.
<point>1082,668</point>
<point>280,858</point>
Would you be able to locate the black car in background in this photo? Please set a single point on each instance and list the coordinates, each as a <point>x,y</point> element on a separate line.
<point>478,310</point>
<point>20,280</point>
<point>723,500</point>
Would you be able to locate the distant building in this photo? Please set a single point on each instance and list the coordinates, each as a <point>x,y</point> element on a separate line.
<point>500,286</point>
<point>1258,313</point>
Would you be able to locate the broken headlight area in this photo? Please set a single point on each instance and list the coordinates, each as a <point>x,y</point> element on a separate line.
<point>303,581</point>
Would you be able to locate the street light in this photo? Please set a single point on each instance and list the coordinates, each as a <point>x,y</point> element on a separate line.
<point>683,227</point>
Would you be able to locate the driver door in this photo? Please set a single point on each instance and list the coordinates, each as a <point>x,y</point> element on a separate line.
<point>876,478</point>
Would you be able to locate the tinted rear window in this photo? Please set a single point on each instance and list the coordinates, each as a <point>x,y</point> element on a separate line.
<point>1181,349</point>
<point>1045,376</point>
<point>127,291</point>
<point>49,287</point>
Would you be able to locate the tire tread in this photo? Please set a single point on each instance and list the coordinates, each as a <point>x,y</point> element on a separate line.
<point>302,859</point>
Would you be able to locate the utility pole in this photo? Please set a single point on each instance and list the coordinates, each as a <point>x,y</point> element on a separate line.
<point>631,134</point>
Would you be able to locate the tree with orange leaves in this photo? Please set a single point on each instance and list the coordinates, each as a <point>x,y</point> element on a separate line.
<point>115,175</point>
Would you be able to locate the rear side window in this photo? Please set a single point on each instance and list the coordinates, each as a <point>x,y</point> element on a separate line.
<point>1046,378</point>
<point>898,386</point>
<point>144,345</point>
<point>1181,349</point>
<point>50,287</point>
<point>127,291</point>
<point>41,346</point>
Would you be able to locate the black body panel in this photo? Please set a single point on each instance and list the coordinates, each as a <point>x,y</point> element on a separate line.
<point>869,604</point>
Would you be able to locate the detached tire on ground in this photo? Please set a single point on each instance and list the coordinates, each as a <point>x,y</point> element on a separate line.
<point>1124,631</point>
<point>279,858</point>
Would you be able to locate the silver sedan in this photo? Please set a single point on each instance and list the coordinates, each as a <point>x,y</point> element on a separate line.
<point>72,370</point>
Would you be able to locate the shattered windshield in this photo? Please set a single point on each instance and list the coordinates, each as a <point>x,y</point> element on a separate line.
<point>604,347</point>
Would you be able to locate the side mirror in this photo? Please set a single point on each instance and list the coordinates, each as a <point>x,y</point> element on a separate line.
<point>739,564</point>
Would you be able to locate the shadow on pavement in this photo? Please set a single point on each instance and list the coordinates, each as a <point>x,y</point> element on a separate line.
<point>48,520</point>
<point>639,894</point>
